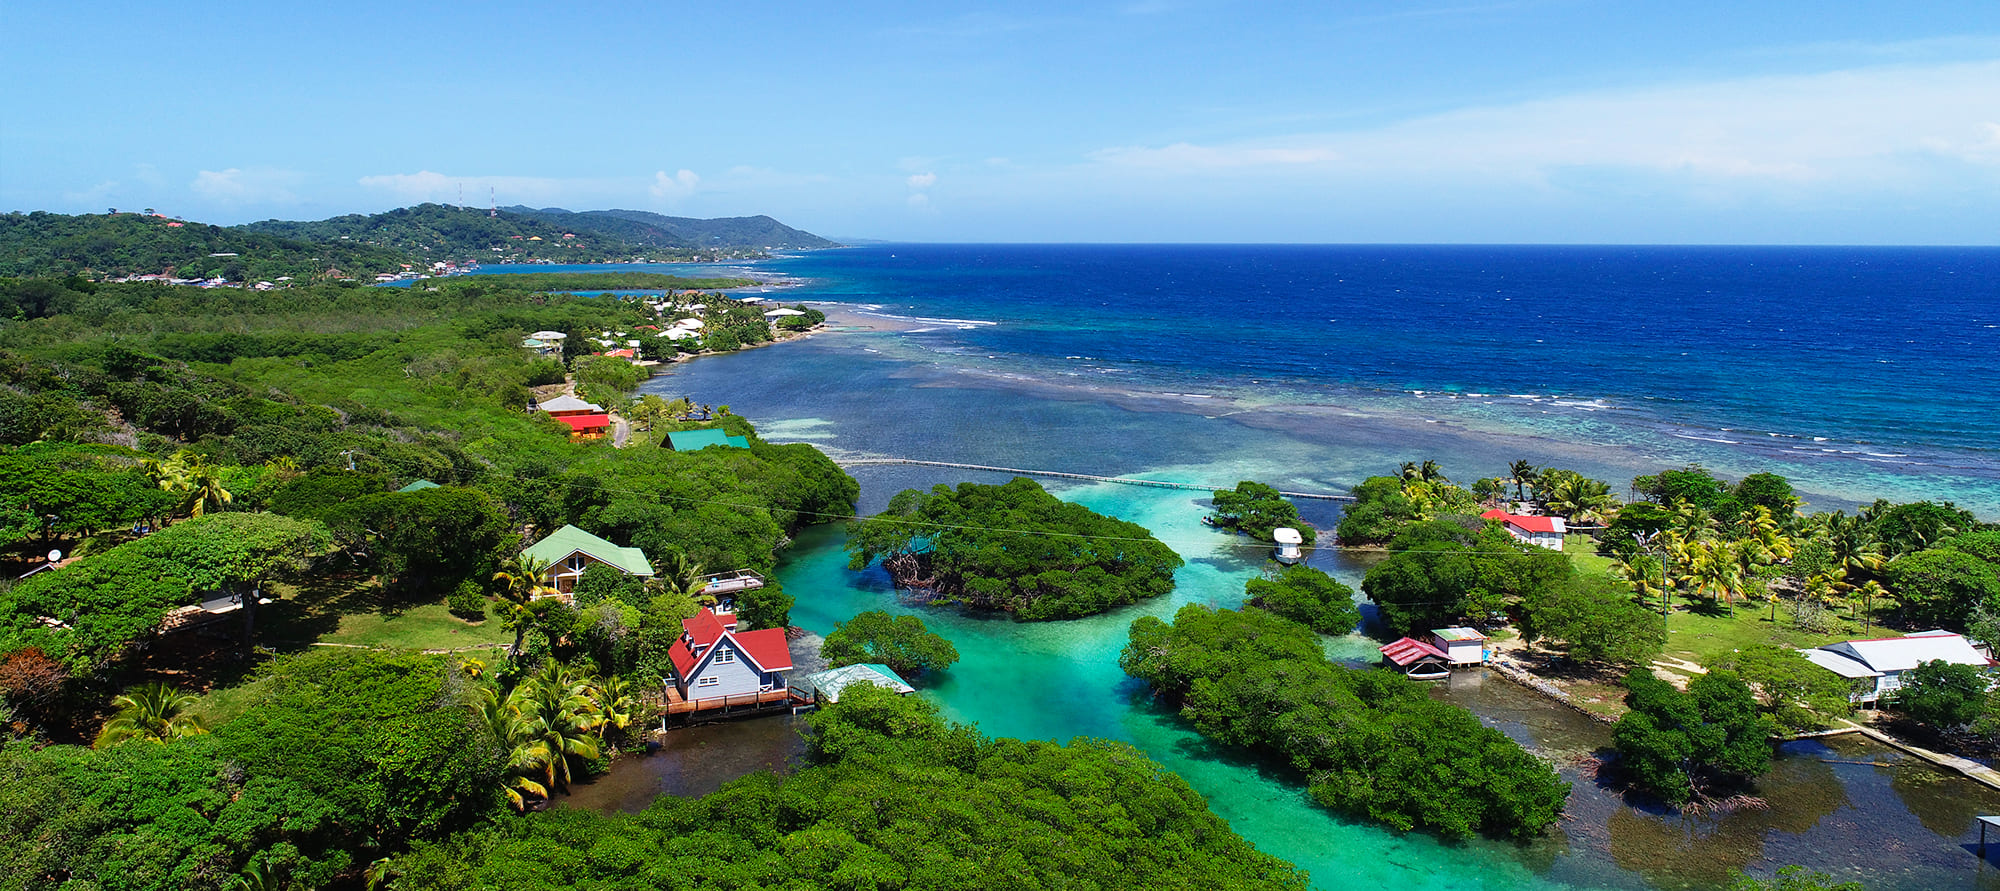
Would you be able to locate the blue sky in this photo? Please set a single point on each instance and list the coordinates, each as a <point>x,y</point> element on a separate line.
<point>1152,121</point>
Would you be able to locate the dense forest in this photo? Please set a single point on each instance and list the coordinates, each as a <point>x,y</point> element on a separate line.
<point>98,246</point>
<point>1013,548</point>
<point>354,472</point>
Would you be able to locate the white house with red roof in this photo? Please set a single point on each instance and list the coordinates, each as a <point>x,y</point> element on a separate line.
<point>1542,532</point>
<point>712,660</point>
<point>1433,658</point>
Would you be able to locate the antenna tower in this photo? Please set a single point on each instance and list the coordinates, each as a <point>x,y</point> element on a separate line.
<point>461,196</point>
<point>490,193</point>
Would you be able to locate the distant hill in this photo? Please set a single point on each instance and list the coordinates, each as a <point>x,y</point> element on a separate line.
<point>657,230</point>
<point>111,245</point>
<point>362,245</point>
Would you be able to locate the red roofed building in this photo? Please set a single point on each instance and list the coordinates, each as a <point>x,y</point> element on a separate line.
<point>1545,532</point>
<point>586,426</point>
<point>715,666</point>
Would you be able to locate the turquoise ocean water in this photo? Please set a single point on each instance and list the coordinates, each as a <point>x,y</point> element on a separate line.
<point>1857,373</point>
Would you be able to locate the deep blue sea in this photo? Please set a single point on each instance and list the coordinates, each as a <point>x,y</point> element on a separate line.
<point>1862,371</point>
<point>1858,373</point>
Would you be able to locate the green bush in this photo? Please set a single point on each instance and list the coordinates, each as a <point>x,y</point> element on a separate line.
<point>467,601</point>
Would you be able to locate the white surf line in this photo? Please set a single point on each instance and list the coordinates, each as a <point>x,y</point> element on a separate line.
<point>1123,480</point>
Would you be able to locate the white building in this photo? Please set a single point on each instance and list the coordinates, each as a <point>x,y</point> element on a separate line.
<point>1543,532</point>
<point>1881,663</point>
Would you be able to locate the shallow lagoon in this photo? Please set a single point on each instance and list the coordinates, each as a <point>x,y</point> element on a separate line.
<point>1898,826</point>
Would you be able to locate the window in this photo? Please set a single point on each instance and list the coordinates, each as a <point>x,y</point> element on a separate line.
<point>708,682</point>
<point>724,655</point>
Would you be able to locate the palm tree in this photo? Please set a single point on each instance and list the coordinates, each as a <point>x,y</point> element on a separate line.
<point>1643,571</point>
<point>524,755</point>
<point>557,722</point>
<point>1430,472</point>
<point>205,489</point>
<point>612,697</point>
<point>1713,568</point>
<point>523,578</point>
<point>1868,593</point>
<point>153,713</point>
<point>1522,473</point>
<point>1566,493</point>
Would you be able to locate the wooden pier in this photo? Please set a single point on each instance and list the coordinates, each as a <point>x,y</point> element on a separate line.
<point>1057,474</point>
<point>729,706</point>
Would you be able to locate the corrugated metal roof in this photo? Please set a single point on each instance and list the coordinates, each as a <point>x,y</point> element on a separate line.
<point>1457,634</point>
<point>826,685</point>
<point>569,540</point>
<point>1410,649</point>
<point>1904,653</point>
<point>695,440</point>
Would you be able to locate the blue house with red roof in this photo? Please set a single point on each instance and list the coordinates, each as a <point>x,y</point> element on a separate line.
<point>717,666</point>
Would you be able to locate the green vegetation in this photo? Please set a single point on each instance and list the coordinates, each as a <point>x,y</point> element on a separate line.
<point>619,281</point>
<point>1794,878</point>
<point>1799,695</point>
<point>337,755</point>
<point>1592,618</point>
<point>95,246</point>
<point>1255,509</point>
<point>98,245</point>
<point>432,232</point>
<point>1440,573</point>
<point>900,642</point>
<point>1943,695</point>
<point>1307,596</point>
<point>893,798</point>
<point>1256,680</point>
<point>1012,547</point>
<point>1677,746</point>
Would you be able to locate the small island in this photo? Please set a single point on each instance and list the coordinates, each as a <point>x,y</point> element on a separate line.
<point>1013,548</point>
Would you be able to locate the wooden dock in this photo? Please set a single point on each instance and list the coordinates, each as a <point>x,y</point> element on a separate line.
<point>741,703</point>
<point>1058,474</point>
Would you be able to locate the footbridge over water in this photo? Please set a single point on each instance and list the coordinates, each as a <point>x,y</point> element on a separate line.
<point>1057,474</point>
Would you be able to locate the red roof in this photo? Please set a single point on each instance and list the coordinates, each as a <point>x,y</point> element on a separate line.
<point>683,658</point>
<point>768,647</point>
<point>585,423</point>
<point>703,628</point>
<point>620,354</point>
<point>727,619</point>
<point>1410,649</point>
<point>1525,524</point>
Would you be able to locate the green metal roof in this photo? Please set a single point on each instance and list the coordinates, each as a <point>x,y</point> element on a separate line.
<point>693,440</point>
<point>569,540</point>
<point>418,486</point>
<point>1457,634</point>
<point>826,685</point>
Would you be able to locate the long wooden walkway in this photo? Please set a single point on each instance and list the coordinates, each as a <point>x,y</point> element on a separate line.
<point>1057,474</point>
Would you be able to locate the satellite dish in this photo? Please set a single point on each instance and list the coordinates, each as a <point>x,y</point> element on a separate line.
<point>55,555</point>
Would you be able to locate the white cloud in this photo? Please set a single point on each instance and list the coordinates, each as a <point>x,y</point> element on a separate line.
<point>923,180</point>
<point>1864,128</point>
<point>675,187</point>
<point>254,186</point>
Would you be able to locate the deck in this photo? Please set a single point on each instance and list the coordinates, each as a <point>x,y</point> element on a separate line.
<point>731,582</point>
<point>739,702</point>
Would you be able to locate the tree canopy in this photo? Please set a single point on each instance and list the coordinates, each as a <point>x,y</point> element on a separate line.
<point>1307,596</point>
<point>900,642</point>
<point>1255,509</point>
<point>894,798</point>
<point>1260,681</point>
<point>1676,745</point>
<point>1012,547</point>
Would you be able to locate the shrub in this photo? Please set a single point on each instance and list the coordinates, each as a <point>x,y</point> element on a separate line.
<point>467,601</point>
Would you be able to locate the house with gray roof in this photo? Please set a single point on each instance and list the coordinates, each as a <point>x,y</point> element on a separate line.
<point>1877,666</point>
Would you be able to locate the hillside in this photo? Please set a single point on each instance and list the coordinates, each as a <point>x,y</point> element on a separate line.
<point>657,230</point>
<point>113,245</point>
<point>363,245</point>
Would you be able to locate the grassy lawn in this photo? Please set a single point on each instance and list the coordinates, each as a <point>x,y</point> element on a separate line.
<point>352,610</point>
<point>1582,551</point>
<point>420,627</point>
<point>1698,636</point>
